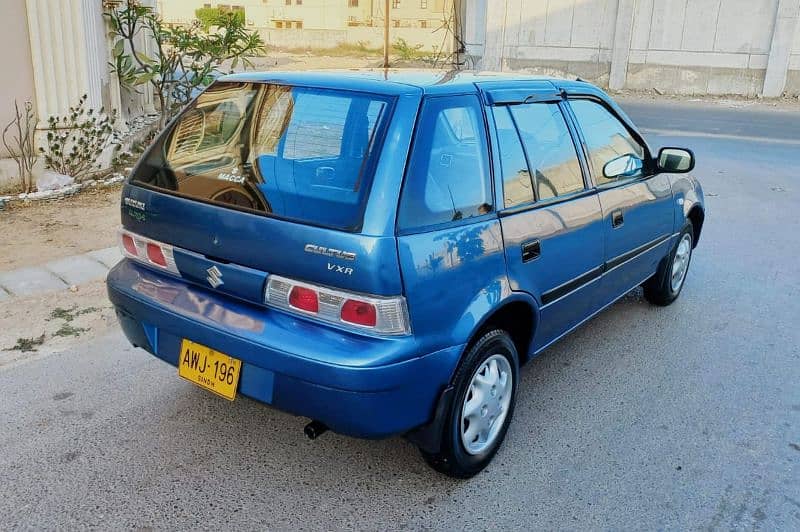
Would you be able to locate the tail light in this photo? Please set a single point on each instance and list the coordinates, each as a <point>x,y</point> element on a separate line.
<point>148,251</point>
<point>382,315</point>
<point>155,255</point>
<point>304,299</point>
<point>360,313</point>
<point>128,244</point>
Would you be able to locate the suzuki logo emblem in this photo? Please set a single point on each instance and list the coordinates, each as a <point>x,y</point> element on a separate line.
<point>214,277</point>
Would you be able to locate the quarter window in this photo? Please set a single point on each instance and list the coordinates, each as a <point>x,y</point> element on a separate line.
<point>551,153</point>
<point>447,175</point>
<point>606,139</point>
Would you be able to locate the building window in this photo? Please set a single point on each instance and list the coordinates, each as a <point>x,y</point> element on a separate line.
<point>298,25</point>
<point>298,2</point>
<point>396,23</point>
<point>353,3</point>
<point>278,24</point>
<point>207,6</point>
<point>288,2</point>
<point>423,23</point>
<point>423,4</point>
<point>395,4</point>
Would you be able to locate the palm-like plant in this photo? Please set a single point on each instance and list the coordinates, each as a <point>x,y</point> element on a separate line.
<point>184,59</point>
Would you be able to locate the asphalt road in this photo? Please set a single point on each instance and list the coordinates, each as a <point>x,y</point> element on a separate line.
<point>645,418</point>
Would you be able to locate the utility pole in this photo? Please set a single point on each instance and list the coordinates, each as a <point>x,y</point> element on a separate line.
<point>386,35</point>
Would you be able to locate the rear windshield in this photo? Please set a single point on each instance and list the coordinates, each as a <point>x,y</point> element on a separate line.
<point>298,153</point>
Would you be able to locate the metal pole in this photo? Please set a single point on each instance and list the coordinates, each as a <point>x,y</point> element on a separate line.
<point>386,35</point>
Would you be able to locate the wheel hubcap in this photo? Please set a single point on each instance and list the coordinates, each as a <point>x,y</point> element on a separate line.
<point>680,263</point>
<point>486,404</point>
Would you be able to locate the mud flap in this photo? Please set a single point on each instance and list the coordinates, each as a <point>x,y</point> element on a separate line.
<point>428,437</point>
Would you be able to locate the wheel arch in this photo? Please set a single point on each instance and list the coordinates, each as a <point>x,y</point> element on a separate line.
<point>518,309</point>
<point>697,216</point>
<point>517,315</point>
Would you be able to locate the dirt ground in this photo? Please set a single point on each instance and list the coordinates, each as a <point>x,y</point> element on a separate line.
<point>49,323</point>
<point>42,231</point>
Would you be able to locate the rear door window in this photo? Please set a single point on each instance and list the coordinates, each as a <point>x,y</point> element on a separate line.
<point>551,153</point>
<point>447,178</point>
<point>517,184</point>
<point>293,152</point>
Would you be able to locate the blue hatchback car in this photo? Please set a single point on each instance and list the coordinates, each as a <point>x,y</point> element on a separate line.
<point>380,251</point>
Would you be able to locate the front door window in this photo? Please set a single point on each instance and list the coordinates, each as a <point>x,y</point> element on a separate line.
<point>607,140</point>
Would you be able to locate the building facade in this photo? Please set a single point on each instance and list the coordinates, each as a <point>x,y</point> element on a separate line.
<point>315,14</point>
<point>61,52</point>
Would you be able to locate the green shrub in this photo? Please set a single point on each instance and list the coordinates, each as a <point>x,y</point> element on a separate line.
<point>214,16</point>
<point>74,142</point>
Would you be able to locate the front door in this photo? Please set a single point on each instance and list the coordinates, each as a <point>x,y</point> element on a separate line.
<point>551,220</point>
<point>637,205</point>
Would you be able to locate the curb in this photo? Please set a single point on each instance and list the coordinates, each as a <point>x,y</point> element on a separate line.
<point>59,274</point>
<point>61,193</point>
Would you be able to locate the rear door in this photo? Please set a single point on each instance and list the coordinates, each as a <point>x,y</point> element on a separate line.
<point>550,218</point>
<point>637,204</point>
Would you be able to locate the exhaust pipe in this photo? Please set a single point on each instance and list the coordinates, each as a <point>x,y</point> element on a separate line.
<point>315,429</point>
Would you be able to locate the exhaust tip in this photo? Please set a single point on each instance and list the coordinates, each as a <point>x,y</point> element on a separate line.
<point>315,429</point>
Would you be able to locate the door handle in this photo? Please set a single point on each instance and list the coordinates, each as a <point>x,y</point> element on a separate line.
<point>617,219</point>
<point>531,250</point>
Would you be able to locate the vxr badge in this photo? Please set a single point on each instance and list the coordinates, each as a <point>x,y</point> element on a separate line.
<point>214,277</point>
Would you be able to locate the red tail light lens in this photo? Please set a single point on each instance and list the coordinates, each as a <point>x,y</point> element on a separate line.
<point>130,245</point>
<point>155,255</point>
<point>147,251</point>
<point>383,315</point>
<point>360,313</point>
<point>304,299</point>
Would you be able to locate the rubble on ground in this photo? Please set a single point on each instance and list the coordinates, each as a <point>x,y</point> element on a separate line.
<point>62,192</point>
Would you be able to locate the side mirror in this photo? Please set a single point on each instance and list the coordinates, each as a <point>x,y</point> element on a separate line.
<point>675,160</point>
<point>627,165</point>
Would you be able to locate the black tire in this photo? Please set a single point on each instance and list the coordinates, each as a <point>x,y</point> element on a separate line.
<point>453,459</point>
<point>658,290</point>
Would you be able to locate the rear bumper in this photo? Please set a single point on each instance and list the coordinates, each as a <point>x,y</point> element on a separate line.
<point>357,385</point>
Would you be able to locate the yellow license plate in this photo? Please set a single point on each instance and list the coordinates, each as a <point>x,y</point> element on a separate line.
<point>209,369</point>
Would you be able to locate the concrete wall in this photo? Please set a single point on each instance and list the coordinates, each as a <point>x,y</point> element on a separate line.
<point>371,37</point>
<point>679,46</point>
<point>17,80</point>
<point>315,14</point>
<point>326,23</point>
<point>54,53</point>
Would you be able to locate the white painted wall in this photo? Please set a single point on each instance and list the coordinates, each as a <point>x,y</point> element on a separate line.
<point>684,46</point>
<point>17,81</point>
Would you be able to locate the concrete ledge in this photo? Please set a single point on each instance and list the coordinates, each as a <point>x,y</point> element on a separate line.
<point>558,53</point>
<point>29,281</point>
<point>77,270</point>
<point>590,71</point>
<point>695,80</point>
<point>108,257</point>
<point>793,83</point>
<point>58,274</point>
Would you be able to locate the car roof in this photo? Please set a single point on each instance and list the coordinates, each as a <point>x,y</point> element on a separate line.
<point>401,81</point>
